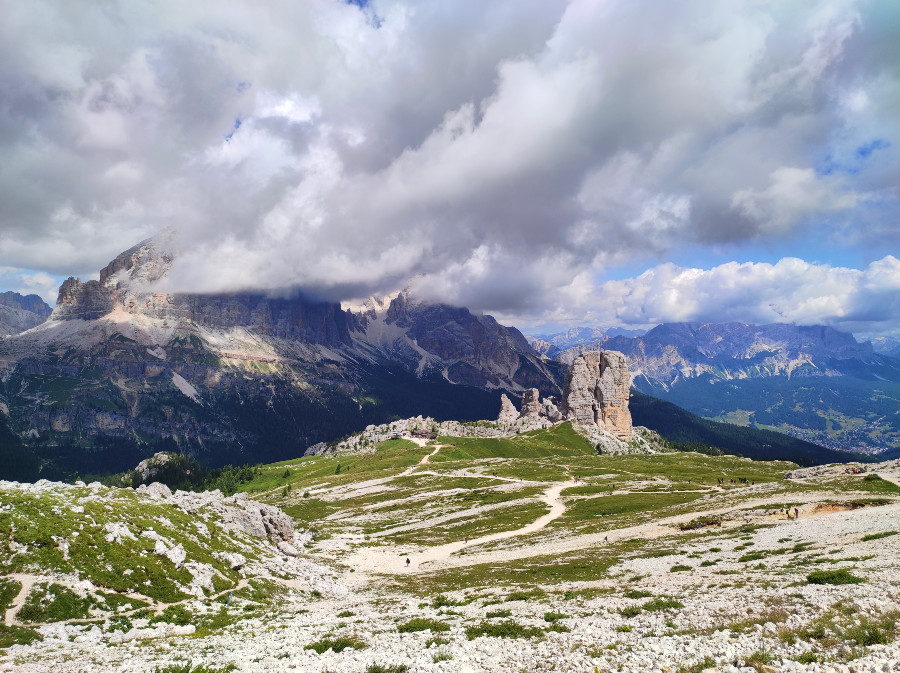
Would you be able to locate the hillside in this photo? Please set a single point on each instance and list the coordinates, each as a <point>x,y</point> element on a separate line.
<point>123,369</point>
<point>683,427</point>
<point>465,553</point>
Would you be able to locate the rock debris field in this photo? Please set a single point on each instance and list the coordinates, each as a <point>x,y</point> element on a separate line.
<point>525,554</point>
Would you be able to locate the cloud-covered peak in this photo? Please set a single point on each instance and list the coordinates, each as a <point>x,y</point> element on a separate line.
<point>509,155</point>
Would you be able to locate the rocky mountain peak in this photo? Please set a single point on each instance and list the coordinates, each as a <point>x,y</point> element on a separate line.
<point>21,312</point>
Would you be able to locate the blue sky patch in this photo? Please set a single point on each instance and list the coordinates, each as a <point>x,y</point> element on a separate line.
<point>237,125</point>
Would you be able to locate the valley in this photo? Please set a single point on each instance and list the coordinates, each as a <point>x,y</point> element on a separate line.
<point>529,552</point>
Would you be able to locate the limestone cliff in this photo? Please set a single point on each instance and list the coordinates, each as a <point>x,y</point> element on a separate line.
<point>596,392</point>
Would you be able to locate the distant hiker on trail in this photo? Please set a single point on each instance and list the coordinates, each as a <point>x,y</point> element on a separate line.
<point>606,538</point>
<point>407,562</point>
<point>796,513</point>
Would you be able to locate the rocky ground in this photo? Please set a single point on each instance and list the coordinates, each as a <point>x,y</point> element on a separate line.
<point>729,585</point>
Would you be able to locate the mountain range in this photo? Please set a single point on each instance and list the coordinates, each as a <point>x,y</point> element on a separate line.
<point>21,312</point>
<point>122,368</point>
<point>813,382</point>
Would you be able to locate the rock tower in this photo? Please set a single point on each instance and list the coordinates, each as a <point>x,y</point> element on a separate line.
<point>596,392</point>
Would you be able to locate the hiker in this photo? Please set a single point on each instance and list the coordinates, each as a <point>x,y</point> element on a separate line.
<point>606,538</point>
<point>407,562</point>
<point>796,513</point>
<point>467,541</point>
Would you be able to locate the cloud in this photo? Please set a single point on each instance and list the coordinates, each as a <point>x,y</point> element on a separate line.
<point>791,290</point>
<point>508,155</point>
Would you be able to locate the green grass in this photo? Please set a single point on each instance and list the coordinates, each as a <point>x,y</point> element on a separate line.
<point>17,635</point>
<point>560,440</point>
<point>878,536</point>
<point>873,631</point>
<point>338,644</point>
<point>423,624</point>
<point>618,510</point>
<point>38,520</point>
<point>553,617</point>
<point>199,668</point>
<point>506,629</point>
<point>391,668</point>
<point>54,603</point>
<point>840,576</point>
<point>637,593</point>
<point>9,589</point>
<point>660,604</point>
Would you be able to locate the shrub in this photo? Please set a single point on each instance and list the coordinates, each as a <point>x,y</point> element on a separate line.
<point>841,576</point>
<point>175,614</point>
<point>554,616</point>
<point>441,601</point>
<point>679,568</point>
<point>631,611</point>
<point>393,668</point>
<point>808,658</point>
<point>659,604</point>
<point>441,655</point>
<point>872,632</point>
<point>345,613</point>
<point>423,624</point>
<point>507,629</point>
<point>637,593</point>
<point>878,536</point>
<point>335,644</point>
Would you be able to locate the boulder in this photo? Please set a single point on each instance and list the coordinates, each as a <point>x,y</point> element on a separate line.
<point>596,392</point>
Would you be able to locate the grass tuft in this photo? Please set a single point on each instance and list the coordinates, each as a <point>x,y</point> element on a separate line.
<point>335,644</point>
<point>841,576</point>
<point>507,629</point>
<point>423,624</point>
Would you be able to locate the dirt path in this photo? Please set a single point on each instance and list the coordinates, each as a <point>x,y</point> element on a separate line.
<point>421,442</point>
<point>27,581</point>
<point>442,557</point>
<point>380,560</point>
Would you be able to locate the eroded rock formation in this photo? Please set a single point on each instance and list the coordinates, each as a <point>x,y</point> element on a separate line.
<point>596,392</point>
<point>531,402</point>
<point>508,411</point>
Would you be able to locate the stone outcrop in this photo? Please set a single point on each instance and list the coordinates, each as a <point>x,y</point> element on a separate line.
<point>508,413</point>
<point>596,392</point>
<point>550,410</point>
<point>531,402</point>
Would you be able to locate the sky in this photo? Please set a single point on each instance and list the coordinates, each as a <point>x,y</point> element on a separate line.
<point>606,162</point>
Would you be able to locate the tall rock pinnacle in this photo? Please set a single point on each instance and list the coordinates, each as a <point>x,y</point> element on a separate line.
<point>596,392</point>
